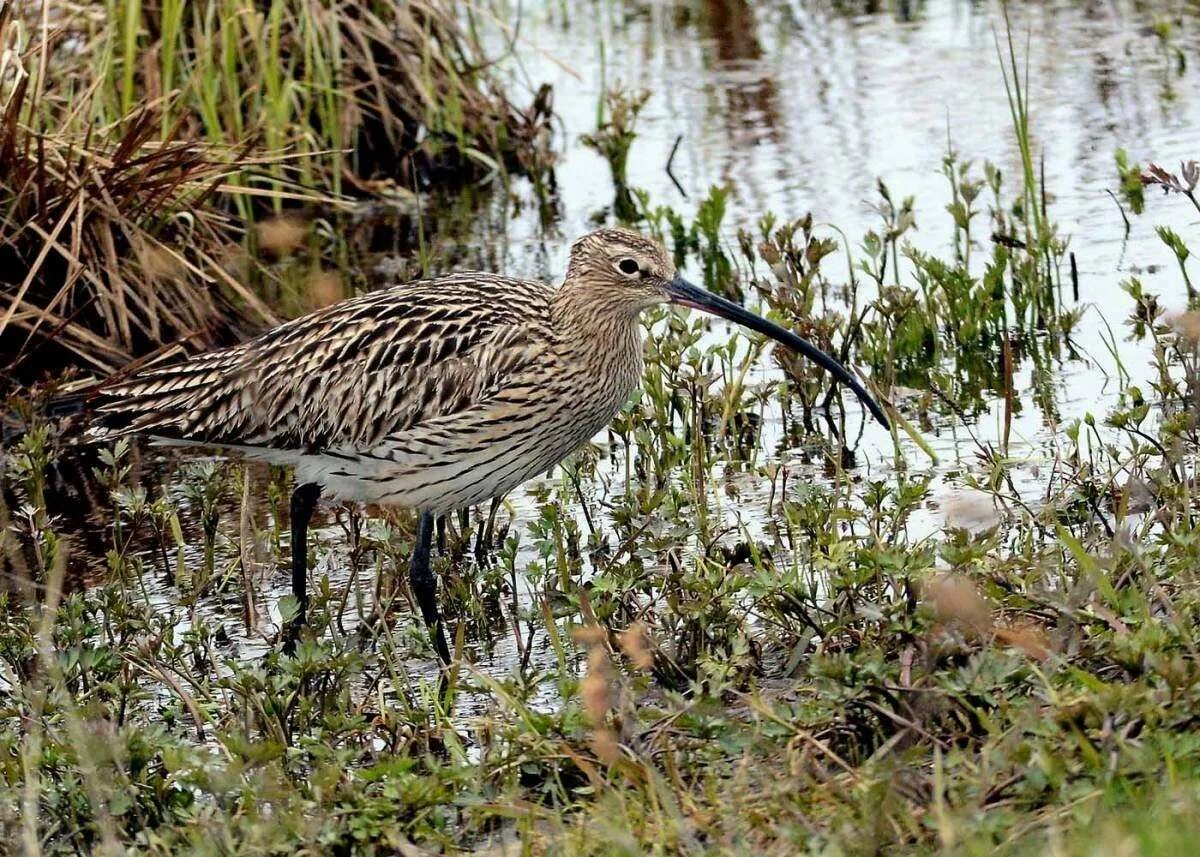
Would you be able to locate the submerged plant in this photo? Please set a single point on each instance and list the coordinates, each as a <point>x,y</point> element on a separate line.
<point>613,138</point>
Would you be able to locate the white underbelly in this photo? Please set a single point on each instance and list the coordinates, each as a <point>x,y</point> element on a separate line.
<point>441,479</point>
<point>461,463</point>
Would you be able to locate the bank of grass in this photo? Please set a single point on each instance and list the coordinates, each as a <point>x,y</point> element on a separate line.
<point>110,242</point>
<point>358,93</point>
<point>147,147</point>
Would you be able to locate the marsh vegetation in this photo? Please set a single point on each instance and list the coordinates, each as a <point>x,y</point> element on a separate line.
<point>743,620</point>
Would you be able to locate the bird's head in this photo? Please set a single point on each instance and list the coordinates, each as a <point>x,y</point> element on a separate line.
<point>621,268</point>
<point>625,272</point>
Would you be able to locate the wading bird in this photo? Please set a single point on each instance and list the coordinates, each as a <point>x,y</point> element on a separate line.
<point>434,395</point>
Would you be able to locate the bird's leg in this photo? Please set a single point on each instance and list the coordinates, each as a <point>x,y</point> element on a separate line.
<point>304,501</point>
<point>424,586</point>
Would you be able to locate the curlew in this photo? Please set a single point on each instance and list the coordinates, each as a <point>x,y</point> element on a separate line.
<point>433,395</point>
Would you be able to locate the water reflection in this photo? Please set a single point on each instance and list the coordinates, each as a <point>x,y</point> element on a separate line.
<point>730,28</point>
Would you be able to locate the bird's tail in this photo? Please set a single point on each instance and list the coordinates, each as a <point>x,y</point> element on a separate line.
<point>146,397</point>
<point>167,401</point>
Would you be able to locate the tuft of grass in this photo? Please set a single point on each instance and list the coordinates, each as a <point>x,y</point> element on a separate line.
<point>109,246</point>
<point>362,92</point>
<point>140,141</point>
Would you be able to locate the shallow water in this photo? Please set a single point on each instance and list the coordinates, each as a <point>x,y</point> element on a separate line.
<point>800,107</point>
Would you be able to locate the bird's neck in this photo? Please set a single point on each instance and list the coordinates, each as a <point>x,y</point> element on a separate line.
<point>602,329</point>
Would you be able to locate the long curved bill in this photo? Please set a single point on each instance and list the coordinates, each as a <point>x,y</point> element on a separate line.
<point>685,294</point>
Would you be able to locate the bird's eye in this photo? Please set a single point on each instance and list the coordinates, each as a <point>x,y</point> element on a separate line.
<point>628,266</point>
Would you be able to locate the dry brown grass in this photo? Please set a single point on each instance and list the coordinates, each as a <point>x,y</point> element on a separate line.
<point>106,236</point>
<point>140,143</point>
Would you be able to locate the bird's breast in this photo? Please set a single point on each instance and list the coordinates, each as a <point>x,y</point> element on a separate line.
<point>531,425</point>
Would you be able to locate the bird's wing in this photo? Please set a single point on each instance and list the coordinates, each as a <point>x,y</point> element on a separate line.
<point>348,375</point>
